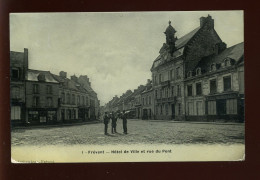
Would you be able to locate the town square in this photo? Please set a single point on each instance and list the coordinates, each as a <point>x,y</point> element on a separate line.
<point>157,79</point>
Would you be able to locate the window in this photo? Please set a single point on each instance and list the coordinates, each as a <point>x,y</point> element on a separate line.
<point>36,101</point>
<point>166,109</point>
<point>49,89</point>
<point>155,79</point>
<point>143,101</point>
<point>161,109</point>
<point>63,97</point>
<point>166,93</point>
<point>212,107</point>
<point>78,100</point>
<point>178,73</point>
<point>160,93</point>
<point>15,112</point>
<point>189,90</point>
<point>35,88</point>
<point>160,78</point>
<point>178,90</point>
<point>49,102</point>
<point>68,114</point>
<point>73,99</point>
<point>15,73</point>
<point>172,91</point>
<point>231,106</point>
<point>189,74</point>
<point>171,74</point>
<point>83,100</point>
<point>213,86</point>
<point>87,100</point>
<point>150,100</point>
<point>179,109</point>
<point>227,62</point>
<point>227,83</point>
<point>68,98</point>
<point>213,67</point>
<point>199,108</point>
<point>198,71</point>
<point>156,94</point>
<point>15,93</point>
<point>198,89</point>
<point>146,99</point>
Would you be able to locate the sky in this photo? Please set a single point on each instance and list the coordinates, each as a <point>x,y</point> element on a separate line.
<point>115,50</point>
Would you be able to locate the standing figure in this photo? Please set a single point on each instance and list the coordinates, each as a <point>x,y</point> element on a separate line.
<point>124,115</point>
<point>114,119</point>
<point>106,121</point>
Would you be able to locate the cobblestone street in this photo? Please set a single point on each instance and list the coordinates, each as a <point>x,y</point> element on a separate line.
<point>139,132</point>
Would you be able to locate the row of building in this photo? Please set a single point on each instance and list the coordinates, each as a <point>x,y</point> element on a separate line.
<point>43,97</point>
<point>194,78</point>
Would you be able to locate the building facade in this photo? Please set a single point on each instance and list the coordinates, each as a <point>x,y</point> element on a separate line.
<point>42,93</point>
<point>18,67</point>
<point>176,57</point>
<point>147,97</point>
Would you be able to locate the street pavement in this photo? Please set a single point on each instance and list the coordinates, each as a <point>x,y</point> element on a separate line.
<point>139,132</point>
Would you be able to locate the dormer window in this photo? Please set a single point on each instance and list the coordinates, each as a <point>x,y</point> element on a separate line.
<point>227,62</point>
<point>189,74</point>
<point>213,67</point>
<point>198,71</point>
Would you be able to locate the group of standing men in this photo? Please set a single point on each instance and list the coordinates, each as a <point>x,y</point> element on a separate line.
<point>114,116</point>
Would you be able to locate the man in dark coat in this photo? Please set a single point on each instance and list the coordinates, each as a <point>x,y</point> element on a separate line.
<point>124,116</point>
<point>113,124</point>
<point>106,121</point>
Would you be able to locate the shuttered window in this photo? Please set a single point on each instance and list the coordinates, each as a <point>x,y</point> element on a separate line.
<point>15,112</point>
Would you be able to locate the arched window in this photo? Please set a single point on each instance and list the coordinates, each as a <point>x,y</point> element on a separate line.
<point>198,71</point>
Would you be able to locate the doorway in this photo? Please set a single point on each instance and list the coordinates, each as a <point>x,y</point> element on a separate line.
<point>173,111</point>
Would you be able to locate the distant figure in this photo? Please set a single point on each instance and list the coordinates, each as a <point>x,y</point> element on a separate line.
<point>113,124</point>
<point>124,122</point>
<point>106,121</point>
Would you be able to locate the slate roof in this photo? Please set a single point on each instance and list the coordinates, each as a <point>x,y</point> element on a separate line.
<point>32,75</point>
<point>179,44</point>
<point>234,53</point>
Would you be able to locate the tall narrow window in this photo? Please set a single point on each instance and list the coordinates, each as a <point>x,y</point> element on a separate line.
<point>179,109</point>
<point>198,89</point>
<point>178,73</point>
<point>49,102</point>
<point>189,87</point>
<point>179,90</point>
<point>15,93</point>
<point>73,99</point>
<point>68,98</point>
<point>172,91</point>
<point>15,74</point>
<point>227,83</point>
<point>35,88</point>
<point>213,86</point>
<point>36,101</point>
<point>49,89</point>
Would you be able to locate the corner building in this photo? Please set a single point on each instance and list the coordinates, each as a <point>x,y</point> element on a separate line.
<point>176,57</point>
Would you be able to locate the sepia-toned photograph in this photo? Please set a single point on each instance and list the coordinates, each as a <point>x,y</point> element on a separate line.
<point>90,87</point>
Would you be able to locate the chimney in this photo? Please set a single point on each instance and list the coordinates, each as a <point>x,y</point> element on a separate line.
<point>25,58</point>
<point>221,47</point>
<point>202,21</point>
<point>63,74</point>
<point>74,78</point>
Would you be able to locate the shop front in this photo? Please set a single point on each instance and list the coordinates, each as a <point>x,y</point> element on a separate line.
<point>42,116</point>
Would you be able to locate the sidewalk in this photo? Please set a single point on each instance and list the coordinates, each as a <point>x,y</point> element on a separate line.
<point>55,125</point>
<point>192,122</point>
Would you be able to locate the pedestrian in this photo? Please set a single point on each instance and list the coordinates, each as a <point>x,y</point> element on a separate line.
<point>106,121</point>
<point>124,116</point>
<point>113,124</point>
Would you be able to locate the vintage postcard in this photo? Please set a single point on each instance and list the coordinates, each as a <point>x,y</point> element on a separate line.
<point>127,86</point>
